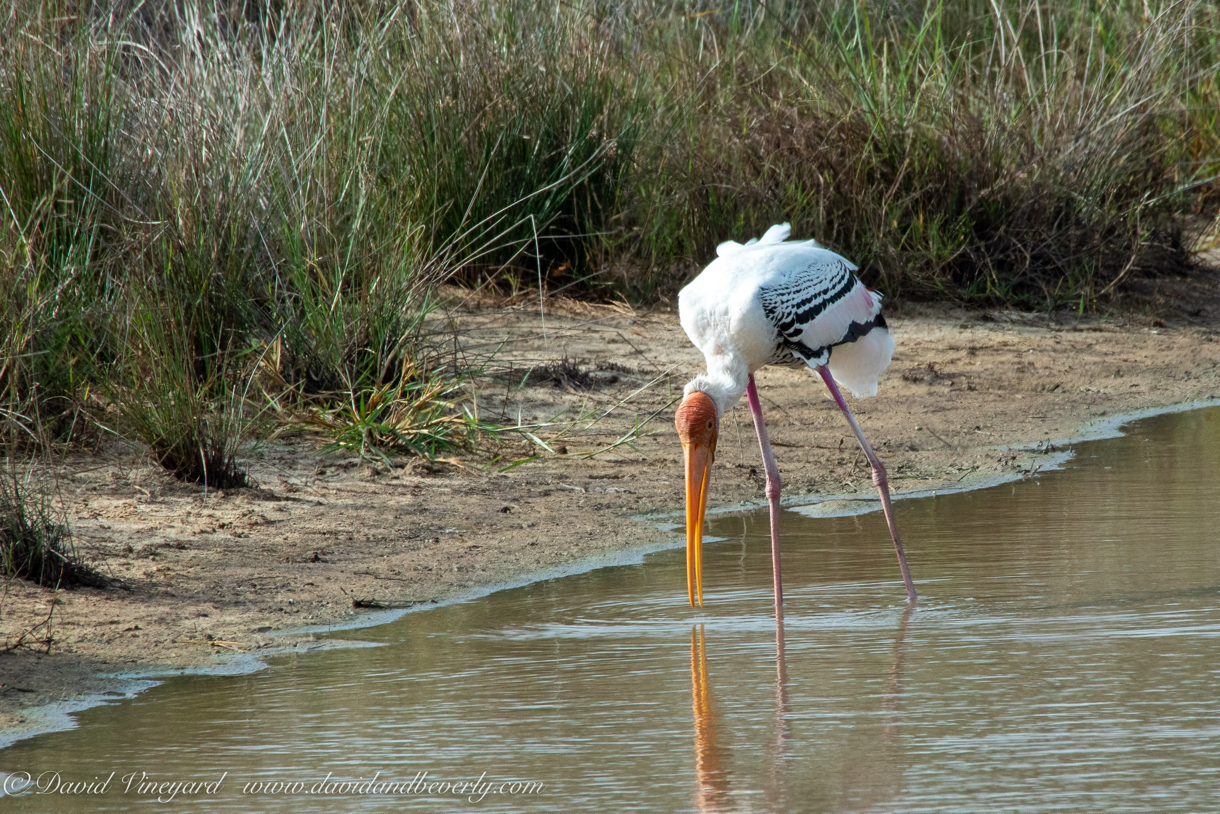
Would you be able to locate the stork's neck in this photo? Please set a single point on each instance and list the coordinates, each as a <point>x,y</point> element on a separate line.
<point>724,382</point>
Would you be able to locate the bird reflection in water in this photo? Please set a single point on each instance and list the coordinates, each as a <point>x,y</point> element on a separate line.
<point>713,780</point>
<point>874,776</point>
<point>776,787</point>
<point>712,755</point>
<point>891,693</point>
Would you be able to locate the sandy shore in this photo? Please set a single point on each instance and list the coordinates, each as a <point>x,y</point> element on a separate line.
<point>209,579</point>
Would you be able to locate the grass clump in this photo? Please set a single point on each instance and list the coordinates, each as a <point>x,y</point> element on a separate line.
<point>186,409</point>
<point>35,544</point>
<point>417,415</point>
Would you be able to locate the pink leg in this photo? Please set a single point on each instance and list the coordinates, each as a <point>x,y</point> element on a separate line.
<point>879,479</point>
<point>773,489</point>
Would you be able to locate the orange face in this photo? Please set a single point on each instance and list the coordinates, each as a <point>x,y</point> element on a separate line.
<point>697,427</point>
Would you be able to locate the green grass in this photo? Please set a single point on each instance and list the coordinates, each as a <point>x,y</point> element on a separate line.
<point>180,391</point>
<point>418,415</point>
<point>35,542</point>
<point>950,161</point>
<point>195,201</point>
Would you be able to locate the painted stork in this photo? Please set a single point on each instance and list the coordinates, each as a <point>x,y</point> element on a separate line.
<point>775,301</point>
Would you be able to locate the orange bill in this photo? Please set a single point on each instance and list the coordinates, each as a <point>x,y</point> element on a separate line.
<point>698,469</point>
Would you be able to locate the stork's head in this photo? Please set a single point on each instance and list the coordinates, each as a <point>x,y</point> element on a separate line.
<point>697,425</point>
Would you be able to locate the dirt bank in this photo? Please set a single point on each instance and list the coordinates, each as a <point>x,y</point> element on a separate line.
<point>206,576</point>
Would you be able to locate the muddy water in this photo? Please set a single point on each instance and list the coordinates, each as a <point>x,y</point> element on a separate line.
<point>1065,656</point>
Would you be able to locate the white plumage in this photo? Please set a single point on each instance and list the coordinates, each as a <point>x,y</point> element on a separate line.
<point>776,301</point>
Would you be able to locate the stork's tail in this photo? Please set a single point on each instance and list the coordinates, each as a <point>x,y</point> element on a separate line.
<point>776,234</point>
<point>856,365</point>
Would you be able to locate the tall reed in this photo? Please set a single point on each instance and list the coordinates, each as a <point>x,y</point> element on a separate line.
<point>999,152</point>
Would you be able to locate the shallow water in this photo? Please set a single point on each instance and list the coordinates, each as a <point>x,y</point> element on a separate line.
<point>1064,656</point>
